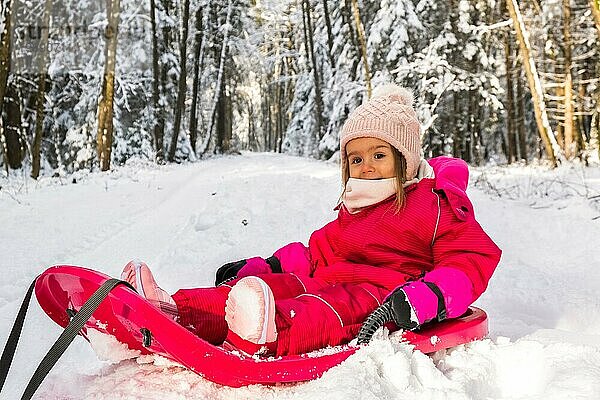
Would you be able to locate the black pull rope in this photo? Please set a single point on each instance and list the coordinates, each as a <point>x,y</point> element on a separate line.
<point>63,341</point>
<point>11,344</point>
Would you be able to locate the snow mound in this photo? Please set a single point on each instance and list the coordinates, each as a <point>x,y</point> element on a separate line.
<point>108,348</point>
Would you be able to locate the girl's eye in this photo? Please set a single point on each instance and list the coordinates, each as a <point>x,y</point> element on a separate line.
<point>379,156</point>
<point>356,160</point>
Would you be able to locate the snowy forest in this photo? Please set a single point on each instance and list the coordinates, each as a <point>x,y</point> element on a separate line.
<point>86,85</point>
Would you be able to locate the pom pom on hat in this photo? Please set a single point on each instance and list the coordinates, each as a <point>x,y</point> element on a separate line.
<point>388,115</point>
<point>395,92</point>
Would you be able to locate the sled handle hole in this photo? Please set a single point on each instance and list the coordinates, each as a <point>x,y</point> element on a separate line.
<point>146,337</point>
<point>70,313</point>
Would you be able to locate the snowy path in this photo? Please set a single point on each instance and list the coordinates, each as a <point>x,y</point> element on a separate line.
<point>187,220</point>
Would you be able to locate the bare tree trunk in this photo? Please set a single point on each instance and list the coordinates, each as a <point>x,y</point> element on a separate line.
<point>457,134</point>
<point>481,149</point>
<point>535,86</point>
<point>198,43</point>
<point>582,120</point>
<point>164,76</point>
<point>595,7</point>
<point>315,71</point>
<point>347,19</point>
<point>252,139</point>
<point>569,134</point>
<point>269,123</point>
<point>470,132</point>
<point>105,106</point>
<point>280,104</point>
<point>4,147</point>
<point>13,140</point>
<point>510,123</point>
<point>157,112</point>
<point>288,90</point>
<point>41,93</point>
<point>224,121</point>
<point>184,16</point>
<point>275,91</point>
<point>595,128</point>
<point>520,120</point>
<point>329,33</point>
<point>363,45</point>
<point>305,30</point>
<point>5,49</point>
<point>219,85</point>
<point>559,132</point>
<point>581,134</point>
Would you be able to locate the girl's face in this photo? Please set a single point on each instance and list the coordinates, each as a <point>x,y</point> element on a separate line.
<point>370,158</point>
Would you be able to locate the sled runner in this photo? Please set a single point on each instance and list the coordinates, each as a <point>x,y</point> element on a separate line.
<point>62,291</point>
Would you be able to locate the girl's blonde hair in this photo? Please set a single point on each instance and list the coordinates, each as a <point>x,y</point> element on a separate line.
<point>399,165</point>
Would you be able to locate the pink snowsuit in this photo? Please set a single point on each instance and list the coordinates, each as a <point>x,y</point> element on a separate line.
<point>351,264</point>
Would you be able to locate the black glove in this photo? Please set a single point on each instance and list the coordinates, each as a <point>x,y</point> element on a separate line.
<point>228,271</point>
<point>396,309</point>
<point>247,267</point>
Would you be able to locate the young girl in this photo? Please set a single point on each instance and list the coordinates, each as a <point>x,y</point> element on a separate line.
<point>405,237</point>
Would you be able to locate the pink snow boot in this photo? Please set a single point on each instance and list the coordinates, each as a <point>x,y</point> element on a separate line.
<point>250,315</point>
<point>138,275</point>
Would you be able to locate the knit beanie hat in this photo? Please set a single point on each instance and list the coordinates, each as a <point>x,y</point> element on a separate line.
<point>388,116</point>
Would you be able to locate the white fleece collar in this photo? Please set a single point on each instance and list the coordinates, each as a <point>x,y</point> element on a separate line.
<point>361,193</point>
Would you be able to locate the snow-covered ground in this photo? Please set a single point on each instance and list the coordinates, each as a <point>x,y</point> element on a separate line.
<point>187,220</point>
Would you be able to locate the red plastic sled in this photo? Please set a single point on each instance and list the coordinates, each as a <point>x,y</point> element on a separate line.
<point>62,290</point>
